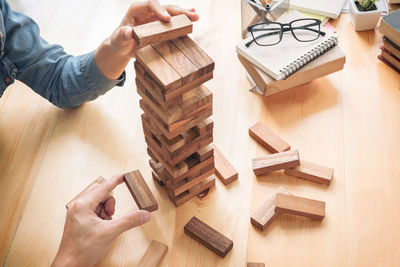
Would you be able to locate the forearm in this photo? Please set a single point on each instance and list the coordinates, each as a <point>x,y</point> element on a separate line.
<point>110,63</point>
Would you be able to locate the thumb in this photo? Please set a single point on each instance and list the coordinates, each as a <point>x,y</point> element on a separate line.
<point>124,34</point>
<point>129,221</point>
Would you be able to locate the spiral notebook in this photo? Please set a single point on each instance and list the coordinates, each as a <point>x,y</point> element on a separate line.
<point>282,60</point>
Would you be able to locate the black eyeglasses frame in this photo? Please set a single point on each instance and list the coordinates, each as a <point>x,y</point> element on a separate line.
<point>284,27</point>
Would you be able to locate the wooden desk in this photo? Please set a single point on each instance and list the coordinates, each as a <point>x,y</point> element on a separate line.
<point>348,121</point>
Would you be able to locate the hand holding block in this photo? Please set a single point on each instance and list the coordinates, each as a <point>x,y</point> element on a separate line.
<point>274,162</point>
<point>312,172</point>
<point>99,180</point>
<point>268,139</point>
<point>311,208</point>
<point>140,191</point>
<point>209,237</point>
<point>154,254</point>
<point>225,171</point>
<point>158,31</point>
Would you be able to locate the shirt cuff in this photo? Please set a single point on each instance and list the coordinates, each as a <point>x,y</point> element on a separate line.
<point>96,79</point>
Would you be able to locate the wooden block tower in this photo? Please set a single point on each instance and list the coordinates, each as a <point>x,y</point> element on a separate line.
<point>177,106</point>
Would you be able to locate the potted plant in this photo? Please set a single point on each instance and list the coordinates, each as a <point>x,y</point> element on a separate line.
<point>364,14</point>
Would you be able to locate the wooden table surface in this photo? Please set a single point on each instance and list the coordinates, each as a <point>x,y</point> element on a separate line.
<point>349,121</point>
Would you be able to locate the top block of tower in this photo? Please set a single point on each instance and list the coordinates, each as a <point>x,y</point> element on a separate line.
<point>175,63</point>
<point>159,31</point>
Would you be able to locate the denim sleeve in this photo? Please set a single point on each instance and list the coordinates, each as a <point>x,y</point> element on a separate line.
<point>65,80</point>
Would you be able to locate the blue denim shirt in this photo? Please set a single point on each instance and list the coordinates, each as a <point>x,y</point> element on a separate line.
<point>65,80</point>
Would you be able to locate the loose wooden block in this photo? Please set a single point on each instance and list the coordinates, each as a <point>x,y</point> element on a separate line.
<point>193,51</point>
<point>274,162</point>
<point>265,214</point>
<point>208,237</point>
<point>99,180</point>
<point>158,31</point>
<point>255,264</point>
<point>140,191</point>
<point>154,255</point>
<point>224,170</point>
<point>311,208</point>
<point>268,139</point>
<point>312,172</point>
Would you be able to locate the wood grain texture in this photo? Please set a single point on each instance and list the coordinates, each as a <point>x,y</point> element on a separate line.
<point>208,236</point>
<point>178,61</point>
<point>311,208</point>
<point>267,138</point>
<point>255,264</point>
<point>223,168</point>
<point>312,172</point>
<point>195,53</point>
<point>154,255</point>
<point>274,162</point>
<point>158,68</point>
<point>265,214</point>
<point>158,31</point>
<point>325,118</point>
<point>140,191</point>
<point>99,180</point>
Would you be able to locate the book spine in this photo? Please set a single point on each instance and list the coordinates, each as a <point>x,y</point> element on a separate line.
<point>310,56</point>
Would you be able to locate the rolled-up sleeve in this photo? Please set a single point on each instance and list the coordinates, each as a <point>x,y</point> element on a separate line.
<point>65,80</point>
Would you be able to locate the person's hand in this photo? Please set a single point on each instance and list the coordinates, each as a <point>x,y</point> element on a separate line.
<point>89,228</point>
<point>115,52</point>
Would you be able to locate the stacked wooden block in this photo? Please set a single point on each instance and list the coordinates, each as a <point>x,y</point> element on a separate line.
<point>177,106</point>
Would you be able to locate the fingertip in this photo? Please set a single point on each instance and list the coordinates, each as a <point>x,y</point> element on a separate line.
<point>128,35</point>
<point>145,216</point>
<point>192,16</point>
<point>165,16</point>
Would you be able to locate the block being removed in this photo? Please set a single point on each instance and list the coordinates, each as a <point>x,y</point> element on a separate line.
<point>158,31</point>
<point>140,191</point>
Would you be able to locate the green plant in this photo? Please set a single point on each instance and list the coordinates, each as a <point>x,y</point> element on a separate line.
<point>367,5</point>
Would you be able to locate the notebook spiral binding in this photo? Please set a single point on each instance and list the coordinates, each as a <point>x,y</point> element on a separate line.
<point>310,56</point>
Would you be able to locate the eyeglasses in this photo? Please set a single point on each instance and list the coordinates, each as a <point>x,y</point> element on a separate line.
<point>270,33</point>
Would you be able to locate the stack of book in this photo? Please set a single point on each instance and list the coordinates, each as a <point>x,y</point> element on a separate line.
<point>390,28</point>
<point>290,63</point>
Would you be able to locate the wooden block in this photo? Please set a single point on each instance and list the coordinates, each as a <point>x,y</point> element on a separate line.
<point>154,255</point>
<point>171,97</point>
<point>140,191</point>
<point>268,139</point>
<point>255,264</point>
<point>99,180</point>
<point>183,185</point>
<point>208,237</point>
<point>311,208</point>
<point>158,68</point>
<point>158,31</point>
<point>274,162</point>
<point>178,60</point>
<point>224,170</point>
<point>202,100</point>
<point>193,51</point>
<point>177,128</point>
<point>205,152</point>
<point>189,194</point>
<point>265,214</point>
<point>312,172</point>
